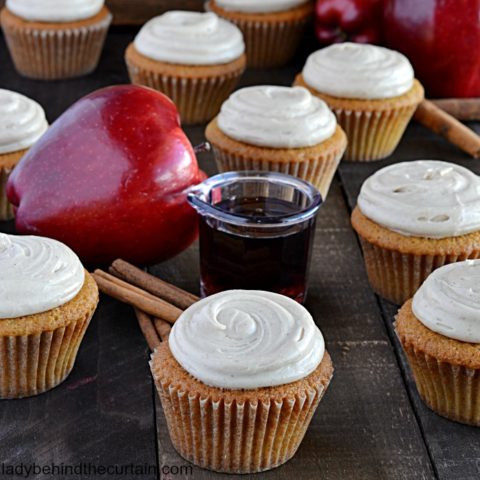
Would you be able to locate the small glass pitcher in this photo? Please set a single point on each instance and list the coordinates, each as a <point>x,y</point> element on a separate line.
<point>256,232</point>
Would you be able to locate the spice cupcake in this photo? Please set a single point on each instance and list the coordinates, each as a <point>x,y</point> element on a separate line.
<point>22,123</point>
<point>414,217</point>
<point>372,91</point>
<point>440,332</point>
<point>272,29</point>
<point>194,58</point>
<point>46,302</point>
<point>55,39</point>
<point>280,129</point>
<point>240,379</point>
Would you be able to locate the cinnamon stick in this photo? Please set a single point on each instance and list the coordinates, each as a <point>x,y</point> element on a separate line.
<point>122,283</point>
<point>434,118</point>
<point>460,108</point>
<point>148,330</point>
<point>125,285</point>
<point>136,297</point>
<point>154,285</point>
<point>163,328</point>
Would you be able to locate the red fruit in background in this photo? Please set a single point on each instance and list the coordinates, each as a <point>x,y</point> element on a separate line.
<point>442,40</point>
<point>109,179</point>
<point>349,20</point>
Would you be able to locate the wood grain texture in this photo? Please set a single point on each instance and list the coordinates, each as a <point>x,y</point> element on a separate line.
<point>102,414</point>
<point>454,448</point>
<point>365,427</point>
<point>370,425</point>
<point>350,436</point>
<point>137,12</point>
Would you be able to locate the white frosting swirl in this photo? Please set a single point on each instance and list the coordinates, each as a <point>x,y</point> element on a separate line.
<point>247,339</point>
<point>37,274</point>
<point>424,198</point>
<point>353,70</point>
<point>256,6</point>
<point>448,302</point>
<point>276,117</point>
<point>55,10</point>
<point>190,38</point>
<point>22,122</point>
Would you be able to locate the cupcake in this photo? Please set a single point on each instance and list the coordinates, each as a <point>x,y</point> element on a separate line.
<point>414,217</point>
<point>439,330</point>
<point>194,58</point>
<point>55,39</point>
<point>372,91</point>
<point>46,302</point>
<point>280,129</point>
<point>239,380</point>
<point>22,123</point>
<point>272,29</point>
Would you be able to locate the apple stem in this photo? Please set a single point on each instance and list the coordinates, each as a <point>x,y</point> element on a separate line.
<point>202,148</point>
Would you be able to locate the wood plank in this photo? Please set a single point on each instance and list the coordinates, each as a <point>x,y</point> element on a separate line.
<point>104,412</point>
<point>350,436</point>
<point>454,448</point>
<point>364,427</point>
<point>101,415</point>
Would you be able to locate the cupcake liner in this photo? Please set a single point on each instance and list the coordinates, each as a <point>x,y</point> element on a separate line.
<point>269,44</point>
<point>232,437</point>
<point>373,128</point>
<point>8,160</point>
<point>52,54</point>
<point>452,391</point>
<point>396,276</point>
<point>316,164</point>
<point>33,364</point>
<point>373,135</point>
<point>198,99</point>
<point>6,208</point>
<point>318,171</point>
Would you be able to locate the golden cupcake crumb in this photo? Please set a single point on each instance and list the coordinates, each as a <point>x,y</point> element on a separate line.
<point>316,164</point>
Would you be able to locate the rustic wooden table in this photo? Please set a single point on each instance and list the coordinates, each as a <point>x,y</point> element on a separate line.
<point>371,423</point>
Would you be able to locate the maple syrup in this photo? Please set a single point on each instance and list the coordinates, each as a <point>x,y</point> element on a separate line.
<point>257,242</point>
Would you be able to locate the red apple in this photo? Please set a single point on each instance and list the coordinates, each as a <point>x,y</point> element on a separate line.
<point>349,20</point>
<point>109,179</point>
<point>441,38</point>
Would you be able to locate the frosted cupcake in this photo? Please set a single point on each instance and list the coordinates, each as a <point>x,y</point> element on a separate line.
<point>281,129</point>
<point>22,123</point>
<point>240,379</point>
<point>46,302</point>
<point>440,332</point>
<point>414,217</point>
<point>194,58</point>
<point>55,39</point>
<point>272,29</point>
<point>372,91</point>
